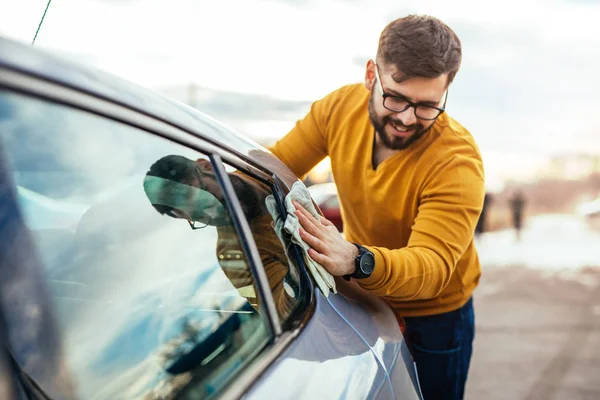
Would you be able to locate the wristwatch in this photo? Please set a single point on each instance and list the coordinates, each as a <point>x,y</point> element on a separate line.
<point>365,264</point>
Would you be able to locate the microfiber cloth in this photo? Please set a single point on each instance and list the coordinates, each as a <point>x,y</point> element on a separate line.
<point>300,193</point>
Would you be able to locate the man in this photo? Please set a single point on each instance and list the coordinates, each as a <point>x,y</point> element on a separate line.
<point>411,188</point>
<point>517,204</point>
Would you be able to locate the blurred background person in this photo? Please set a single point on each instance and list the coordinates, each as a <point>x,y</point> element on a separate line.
<point>517,205</point>
<point>482,222</point>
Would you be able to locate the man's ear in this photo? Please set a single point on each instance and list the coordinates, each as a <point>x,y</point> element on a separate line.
<point>370,75</point>
<point>204,165</point>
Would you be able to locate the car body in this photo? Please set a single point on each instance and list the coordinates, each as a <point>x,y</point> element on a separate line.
<point>101,296</point>
<point>326,197</point>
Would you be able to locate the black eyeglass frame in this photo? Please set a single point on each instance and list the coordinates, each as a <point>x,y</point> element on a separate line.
<point>409,103</point>
<point>202,187</point>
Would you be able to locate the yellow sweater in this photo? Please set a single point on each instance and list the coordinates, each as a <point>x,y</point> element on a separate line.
<point>416,212</point>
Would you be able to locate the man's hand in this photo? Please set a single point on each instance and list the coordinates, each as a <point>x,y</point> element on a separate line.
<point>328,247</point>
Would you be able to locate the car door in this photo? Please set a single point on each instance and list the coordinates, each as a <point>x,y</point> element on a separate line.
<point>382,332</point>
<point>142,306</point>
<point>134,296</point>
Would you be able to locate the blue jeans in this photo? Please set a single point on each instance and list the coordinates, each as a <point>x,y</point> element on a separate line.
<point>441,346</point>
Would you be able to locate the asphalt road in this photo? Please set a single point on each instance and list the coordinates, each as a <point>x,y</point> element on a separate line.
<point>537,335</point>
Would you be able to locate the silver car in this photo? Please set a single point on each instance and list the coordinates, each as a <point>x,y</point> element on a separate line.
<point>108,292</point>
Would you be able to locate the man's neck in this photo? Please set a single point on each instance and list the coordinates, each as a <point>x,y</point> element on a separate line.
<point>380,152</point>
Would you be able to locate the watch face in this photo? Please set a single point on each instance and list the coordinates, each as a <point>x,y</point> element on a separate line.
<point>367,263</point>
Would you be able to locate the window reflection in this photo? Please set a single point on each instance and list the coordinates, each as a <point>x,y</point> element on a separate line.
<point>145,305</point>
<point>188,189</point>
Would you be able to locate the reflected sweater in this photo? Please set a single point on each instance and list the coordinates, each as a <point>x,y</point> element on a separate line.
<point>416,211</point>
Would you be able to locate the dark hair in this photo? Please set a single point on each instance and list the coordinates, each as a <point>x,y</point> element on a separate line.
<point>420,46</point>
<point>175,168</point>
<point>181,169</point>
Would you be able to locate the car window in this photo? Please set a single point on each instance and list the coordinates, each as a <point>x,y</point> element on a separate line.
<point>259,204</point>
<point>132,246</point>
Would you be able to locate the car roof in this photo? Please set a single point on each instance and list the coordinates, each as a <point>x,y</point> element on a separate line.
<point>58,69</point>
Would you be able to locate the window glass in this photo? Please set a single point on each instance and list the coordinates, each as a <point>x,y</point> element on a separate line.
<point>260,206</point>
<point>131,245</point>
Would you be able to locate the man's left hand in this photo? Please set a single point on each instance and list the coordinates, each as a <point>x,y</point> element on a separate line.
<point>328,246</point>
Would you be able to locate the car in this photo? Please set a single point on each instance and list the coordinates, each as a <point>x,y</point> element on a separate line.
<point>107,292</point>
<point>326,197</point>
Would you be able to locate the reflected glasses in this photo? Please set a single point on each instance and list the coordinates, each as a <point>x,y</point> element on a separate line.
<point>176,213</point>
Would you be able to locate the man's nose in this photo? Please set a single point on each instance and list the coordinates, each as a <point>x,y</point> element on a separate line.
<point>407,117</point>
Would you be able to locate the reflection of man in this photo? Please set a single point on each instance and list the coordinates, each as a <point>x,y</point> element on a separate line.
<point>411,187</point>
<point>186,189</point>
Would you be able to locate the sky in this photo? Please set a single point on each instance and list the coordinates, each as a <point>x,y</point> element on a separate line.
<point>527,89</point>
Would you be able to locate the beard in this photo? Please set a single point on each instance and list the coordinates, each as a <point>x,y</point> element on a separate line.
<point>390,141</point>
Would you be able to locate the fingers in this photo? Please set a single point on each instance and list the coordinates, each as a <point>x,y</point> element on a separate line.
<point>305,212</point>
<point>321,219</point>
<point>308,223</point>
<point>326,222</point>
<point>320,258</point>
<point>313,241</point>
<point>316,232</point>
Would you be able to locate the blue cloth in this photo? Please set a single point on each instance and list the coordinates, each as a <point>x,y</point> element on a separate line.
<point>441,346</point>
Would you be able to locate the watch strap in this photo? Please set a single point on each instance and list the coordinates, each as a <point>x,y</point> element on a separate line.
<point>356,274</point>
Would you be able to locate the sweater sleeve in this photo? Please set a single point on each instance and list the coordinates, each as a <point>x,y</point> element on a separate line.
<point>449,208</point>
<point>306,144</point>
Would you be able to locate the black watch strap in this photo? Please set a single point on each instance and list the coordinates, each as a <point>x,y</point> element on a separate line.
<point>364,264</point>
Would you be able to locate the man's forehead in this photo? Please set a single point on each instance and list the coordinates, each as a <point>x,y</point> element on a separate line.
<point>416,89</point>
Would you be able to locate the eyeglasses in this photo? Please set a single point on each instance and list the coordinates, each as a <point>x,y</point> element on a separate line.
<point>175,213</point>
<point>400,104</point>
<point>194,225</point>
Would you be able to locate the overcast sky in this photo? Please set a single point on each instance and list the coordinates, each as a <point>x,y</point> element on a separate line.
<point>528,87</point>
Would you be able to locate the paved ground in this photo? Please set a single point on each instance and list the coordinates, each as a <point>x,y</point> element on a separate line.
<point>538,335</point>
